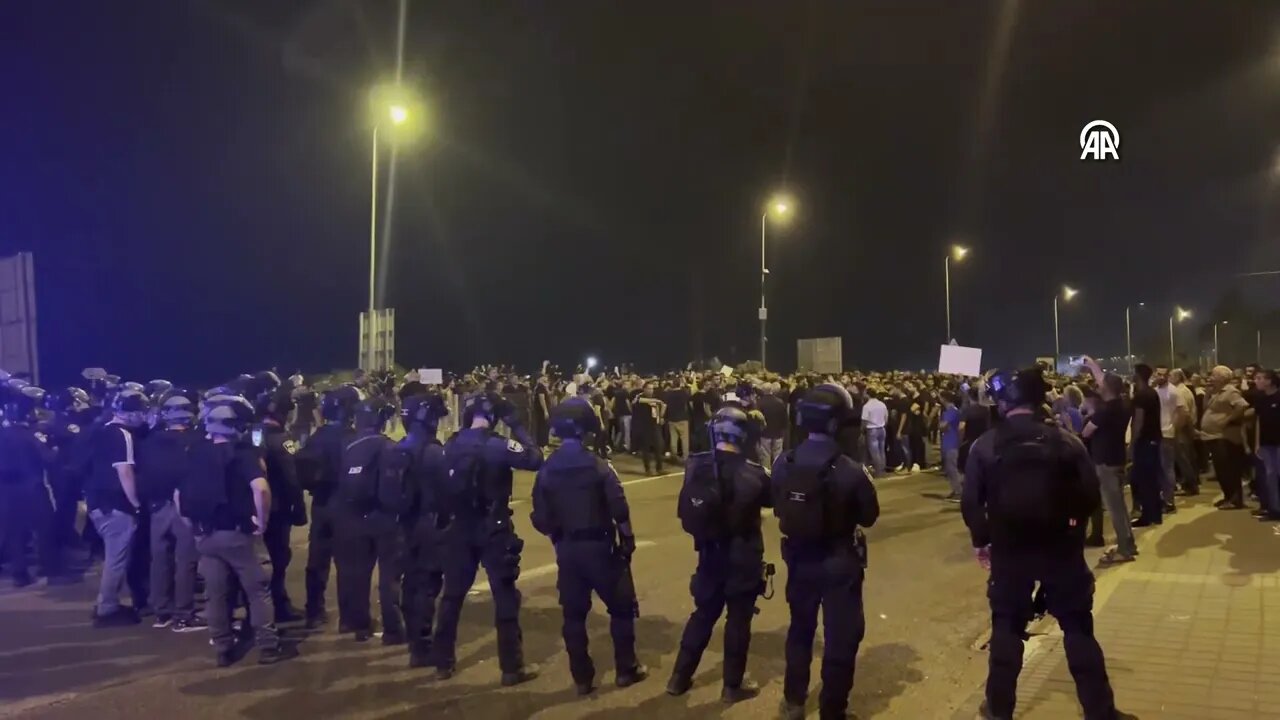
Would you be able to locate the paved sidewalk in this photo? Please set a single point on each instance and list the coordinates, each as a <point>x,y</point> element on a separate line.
<point>1191,630</point>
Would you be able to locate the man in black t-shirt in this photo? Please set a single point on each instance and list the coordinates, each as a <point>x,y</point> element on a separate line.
<point>542,412</point>
<point>699,416</point>
<point>677,399</point>
<point>1146,435</point>
<point>774,410</point>
<point>1104,433</point>
<point>1267,439</point>
<point>646,422</point>
<point>622,416</point>
<point>111,495</point>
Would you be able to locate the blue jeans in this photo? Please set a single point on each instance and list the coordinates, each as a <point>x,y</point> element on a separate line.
<point>1269,485</point>
<point>875,446</point>
<point>116,529</point>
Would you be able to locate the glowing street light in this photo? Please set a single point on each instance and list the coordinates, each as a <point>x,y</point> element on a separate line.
<point>958,252</point>
<point>591,363</point>
<point>780,207</point>
<point>399,114</point>
<point>1181,315</point>
<point>1128,341</point>
<point>1215,340</point>
<point>1067,293</point>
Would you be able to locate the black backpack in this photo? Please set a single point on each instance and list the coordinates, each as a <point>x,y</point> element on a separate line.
<point>803,500</point>
<point>705,500</point>
<point>1032,496</point>
<point>361,472</point>
<point>204,494</point>
<point>467,479</point>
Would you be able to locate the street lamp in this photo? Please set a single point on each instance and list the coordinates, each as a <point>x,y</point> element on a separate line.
<point>1067,293</point>
<point>1128,341</point>
<point>958,252</point>
<point>1215,340</point>
<point>780,208</point>
<point>396,112</point>
<point>1181,315</point>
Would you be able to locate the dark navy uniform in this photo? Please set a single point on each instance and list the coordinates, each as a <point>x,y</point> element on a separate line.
<point>1019,560</point>
<point>367,531</point>
<point>827,574</point>
<point>424,536</point>
<point>319,463</point>
<point>288,510</point>
<point>67,475</point>
<point>730,571</point>
<point>163,465</point>
<point>578,502</point>
<point>24,500</point>
<point>481,533</point>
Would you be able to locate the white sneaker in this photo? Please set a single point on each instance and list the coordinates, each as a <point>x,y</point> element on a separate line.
<point>915,468</point>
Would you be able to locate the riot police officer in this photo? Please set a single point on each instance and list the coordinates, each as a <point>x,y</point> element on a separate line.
<point>481,533</point>
<point>24,455</point>
<point>720,505</point>
<point>424,477</point>
<point>822,499</point>
<point>228,501</point>
<point>579,504</point>
<point>368,502</point>
<point>162,467</point>
<point>319,462</point>
<point>68,431</point>
<point>288,508</point>
<point>1029,490</point>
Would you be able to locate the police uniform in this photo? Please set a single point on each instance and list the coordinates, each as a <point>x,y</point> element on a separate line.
<point>424,566</point>
<point>481,533</point>
<point>730,571</point>
<point>367,509</point>
<point>1053,557</point>
<point>69,437</point>
<point>825,570</point>
<point>579,504</point>
<point>288,510</point>
<point>319,463</point>
<point>24,500</point>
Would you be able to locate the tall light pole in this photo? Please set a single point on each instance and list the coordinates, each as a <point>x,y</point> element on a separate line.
<point>780,208</point>
<point>1215,340</point>
<point>1067,293</point>
<point>1181,315</point>
<point>958,252</point>
<point>1128,340</point>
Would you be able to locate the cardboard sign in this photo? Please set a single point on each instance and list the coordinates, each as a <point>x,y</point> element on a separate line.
<point>725,370</point>
<point>431,376</point>
<point>960,360</point>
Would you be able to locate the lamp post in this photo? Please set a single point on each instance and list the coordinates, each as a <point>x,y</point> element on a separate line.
<point>1181,315</point>
<point>958,252</point>
<point>1128,340</point>
<point>780,207</point>
<point>1067,293</point>
<point>1216,361</point>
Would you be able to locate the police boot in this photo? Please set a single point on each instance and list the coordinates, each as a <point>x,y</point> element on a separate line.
<point>984,712</point>
<point>523,675</point>
<point>744,691</point>
<point>632,676</point>
<point>585,687</point>
<point>444,672</point>
<point>791,712</point>
<point>420,655</point>
<point>317,619</point>
<point>682,674</point>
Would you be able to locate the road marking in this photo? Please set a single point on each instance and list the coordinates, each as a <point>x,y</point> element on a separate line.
<point>482,587</point>
<point>637,481</point>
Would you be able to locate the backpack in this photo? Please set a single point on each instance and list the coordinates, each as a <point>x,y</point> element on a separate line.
<point>361,471</point>
<point>204,492</point>
<point>466,481</point>
<point>1031,496</point>
<point>704,502</point>
<point>803,500</point>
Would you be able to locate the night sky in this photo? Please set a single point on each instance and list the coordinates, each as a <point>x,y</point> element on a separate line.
<point>193,176</point>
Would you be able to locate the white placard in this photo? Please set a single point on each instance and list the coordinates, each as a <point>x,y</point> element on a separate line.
<point>960,360</point>
<point>431,376</point>
<point>725,370</point>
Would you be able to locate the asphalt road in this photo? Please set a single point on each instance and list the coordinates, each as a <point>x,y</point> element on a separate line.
<point>925,609</point>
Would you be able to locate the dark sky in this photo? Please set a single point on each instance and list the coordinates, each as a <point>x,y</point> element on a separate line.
<point>192,176</point>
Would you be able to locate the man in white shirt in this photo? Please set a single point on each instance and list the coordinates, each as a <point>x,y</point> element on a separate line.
<point>1173,407</point>
<point>1184,433</point>
<point>875,415</point>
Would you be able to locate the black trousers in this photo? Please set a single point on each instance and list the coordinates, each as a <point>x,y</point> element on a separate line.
<point>67,490</point>
<point>1229,466</point>
<point>423,582</point>
<point>830,581</point>
<point>586,567</point>
<point>319,557</point>
<point>276,540</point>
<point>1068,587</point>
<point>25,511</point>
<point>469,545</point>
<point>721,585</point>
<point>360,543</point>
<point>648,440</point>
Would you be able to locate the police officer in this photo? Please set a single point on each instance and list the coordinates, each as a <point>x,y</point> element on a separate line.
<point>288,508</point>
<point>578,502</point>
<point>821,499</point>
<point>367,506</point>
<point>1029,490</point>
<point>481,533</point>
<point>228,501</point>
<point>68,433</point>
<point>162,466</point>
<point>720,506</point>
<point>424,477</point>
<point>24,455</point>
<point>319,462</point>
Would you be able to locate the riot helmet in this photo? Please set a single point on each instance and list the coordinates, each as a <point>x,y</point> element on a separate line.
<point>824,408</point>
<point>424,409</point>
<point>574,418</point>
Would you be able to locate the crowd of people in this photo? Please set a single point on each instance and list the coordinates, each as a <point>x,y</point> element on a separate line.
<point>415,480</point>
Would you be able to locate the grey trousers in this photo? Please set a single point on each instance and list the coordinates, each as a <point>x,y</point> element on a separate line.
<point>116,529</point>
<point>227,556</point>
<point>951,467</point>
<point>679,438</point>
<point>770,451</point>
<point>1113,501</point>
<point>173,563</point>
